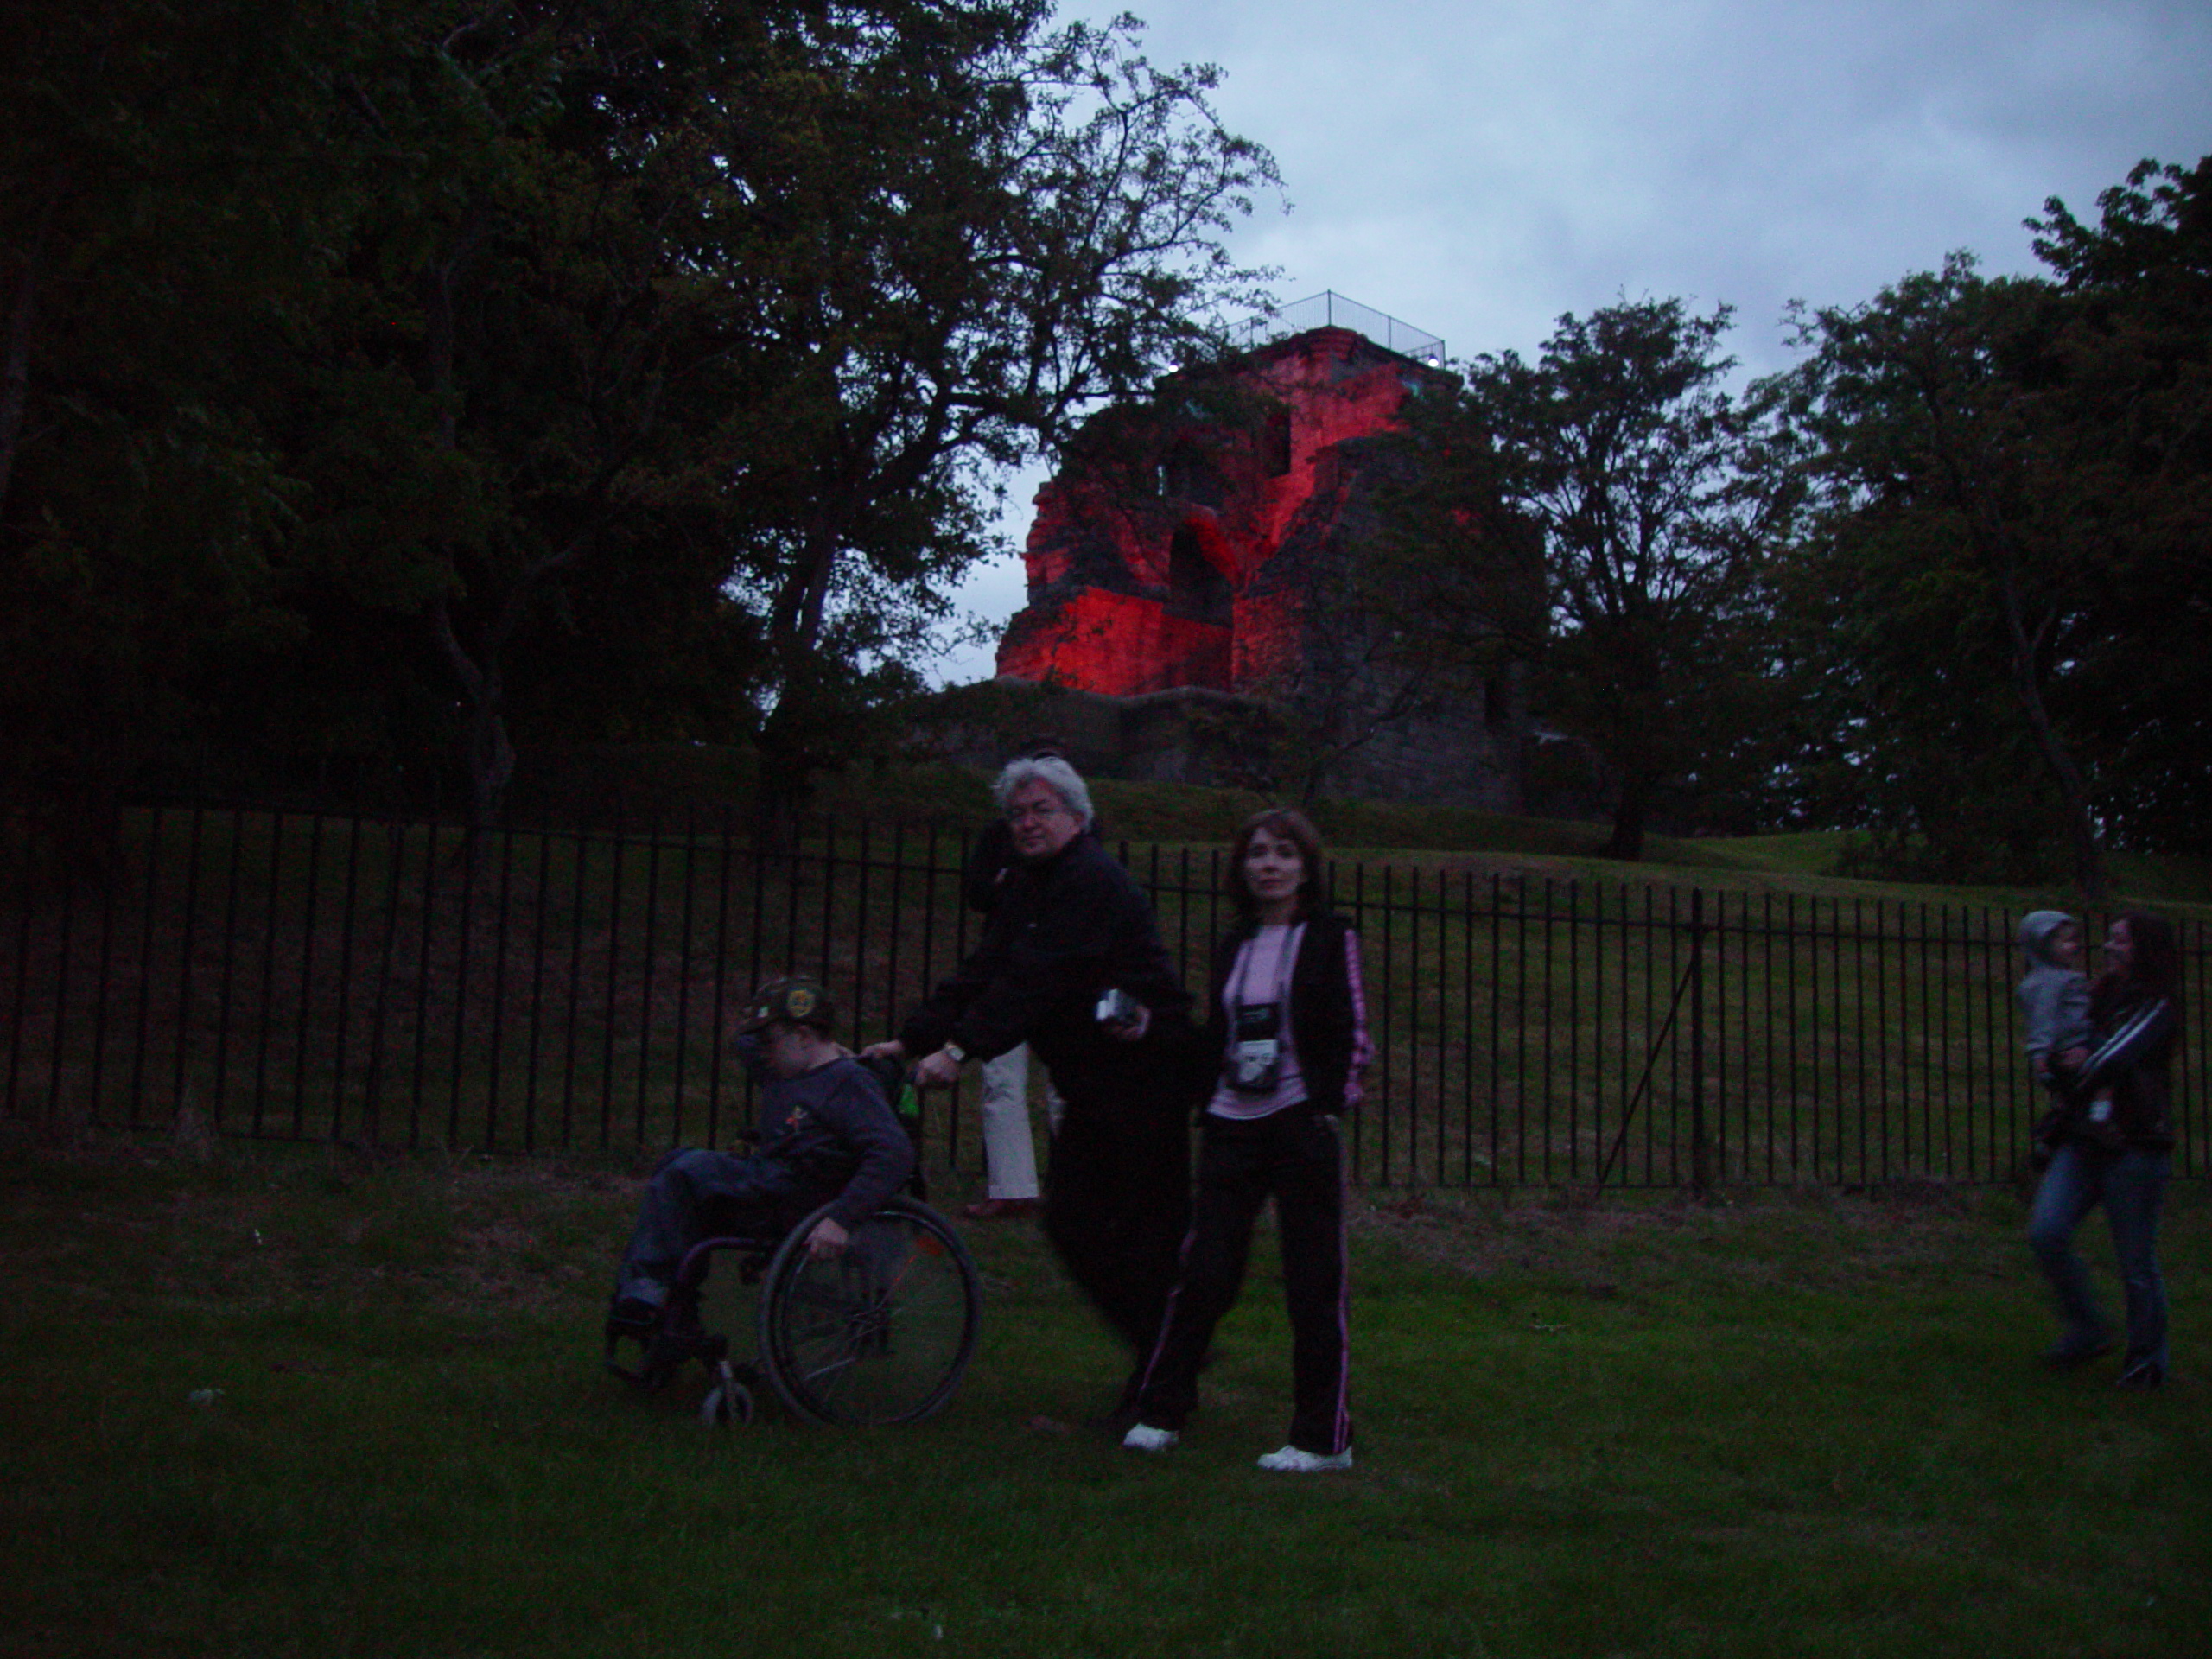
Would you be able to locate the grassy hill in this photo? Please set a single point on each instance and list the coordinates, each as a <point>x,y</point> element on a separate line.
<point>1457,837</point>
<point>591,780</point>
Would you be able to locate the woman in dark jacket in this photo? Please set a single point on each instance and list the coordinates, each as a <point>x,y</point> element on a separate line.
<point>1288,1022</point>
<point>2115,1144</point>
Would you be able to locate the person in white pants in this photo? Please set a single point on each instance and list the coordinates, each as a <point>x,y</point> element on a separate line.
<point>1009,1154</point>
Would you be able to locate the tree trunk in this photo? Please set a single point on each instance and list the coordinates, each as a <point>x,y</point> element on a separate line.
<point>2089,875</point>
<point>1631,814</point>
<point>489,756</point>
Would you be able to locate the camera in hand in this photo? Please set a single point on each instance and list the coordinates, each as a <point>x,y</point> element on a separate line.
<point>1117,1007</point>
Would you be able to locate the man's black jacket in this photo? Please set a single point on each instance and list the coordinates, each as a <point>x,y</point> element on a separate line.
<point>1063,930</point>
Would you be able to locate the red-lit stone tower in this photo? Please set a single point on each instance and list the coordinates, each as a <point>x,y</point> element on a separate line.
<point>1198,541</point>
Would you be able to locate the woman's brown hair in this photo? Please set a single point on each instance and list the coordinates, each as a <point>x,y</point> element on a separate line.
<point>2154,958</point>
<point>1295,827</point>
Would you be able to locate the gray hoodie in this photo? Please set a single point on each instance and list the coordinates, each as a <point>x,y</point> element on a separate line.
<point>2054,999</point>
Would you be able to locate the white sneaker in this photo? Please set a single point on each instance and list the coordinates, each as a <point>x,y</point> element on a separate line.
<point>1291,1460</point>
<point>1143,1437</point>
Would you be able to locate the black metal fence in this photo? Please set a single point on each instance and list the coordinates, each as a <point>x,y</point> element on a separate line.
<point>311,976</point>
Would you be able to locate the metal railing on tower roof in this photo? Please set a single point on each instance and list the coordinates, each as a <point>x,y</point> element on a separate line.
<point>1329,309</point>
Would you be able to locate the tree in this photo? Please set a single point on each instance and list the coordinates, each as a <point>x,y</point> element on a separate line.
<point>163,218</point>
<point>1999,592</point>
<point>614,362</point>
<point>1950,532</point>
<point>2137,347</point>
<point>1588,514</point>
<point>1026,224</point>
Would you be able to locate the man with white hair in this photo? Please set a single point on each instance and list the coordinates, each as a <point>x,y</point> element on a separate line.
<point>1072,962</point>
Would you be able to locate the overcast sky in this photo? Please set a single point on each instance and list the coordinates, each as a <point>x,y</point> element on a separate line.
<point>1476,170</point>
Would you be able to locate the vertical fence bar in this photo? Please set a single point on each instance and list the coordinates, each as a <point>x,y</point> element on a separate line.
<point>1466,1026</point>
<point>1550,1021</point>
<point>270,911</point>
<point>418,1081</point>
<point>1625,959</point>
<point>646,948</point>
<point>617,846</point>
<point>308,926</point>
<point>188,942</point>
<point>1495,1061</point>
<point>1597,1030</point>
<point>18,1025</point>
<point>58,1025</point>
<point>1859,1046</point>
<point>395,871</point>
<point>1575,1030</point>
<point>345,979</point>
<point>109,888</point>
<point>863,923</point>
<point>715,1044</point>
<point>1988,1031</point>
<point>496,1047</point>
<point>1442,1046</point>
<point>226,962</point>
<point>579,853</point>
<point>143,1002</point>
<point>684,976</point>
<point>1700,1153</point>
<point>540,949</point>
<point>1936,991</point>
<point>1734,1152</point>
<point>1520,1025</point>
<point>465,961</point>
<point>1381,1038</point>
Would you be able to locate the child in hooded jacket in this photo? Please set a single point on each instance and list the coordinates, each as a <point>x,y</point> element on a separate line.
<point>2055,1009</point>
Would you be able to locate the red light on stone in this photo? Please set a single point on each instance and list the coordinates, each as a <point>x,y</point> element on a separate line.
<point>1112,608</point>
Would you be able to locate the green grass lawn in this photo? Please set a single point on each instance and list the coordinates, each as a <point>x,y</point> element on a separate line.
<point>1801,1424</point>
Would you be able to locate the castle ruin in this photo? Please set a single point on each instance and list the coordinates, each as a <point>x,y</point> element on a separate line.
<point>1191,568</point>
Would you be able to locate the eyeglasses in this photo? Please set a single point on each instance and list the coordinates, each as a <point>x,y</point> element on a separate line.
<point>1039,810</point>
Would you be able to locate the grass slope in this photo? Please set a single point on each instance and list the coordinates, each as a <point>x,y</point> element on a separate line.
<point>1403,833</point>
<point>1806,1425</point>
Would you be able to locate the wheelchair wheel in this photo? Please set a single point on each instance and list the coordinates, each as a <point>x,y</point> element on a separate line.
<point>880,1333</point>
<point>729,1402</point>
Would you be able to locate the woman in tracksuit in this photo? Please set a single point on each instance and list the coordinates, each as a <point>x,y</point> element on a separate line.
<point>1288,1021</point>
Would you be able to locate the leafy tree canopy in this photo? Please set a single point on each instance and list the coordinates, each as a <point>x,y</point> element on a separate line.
<point>376,378</point>
<point>1998,570</point>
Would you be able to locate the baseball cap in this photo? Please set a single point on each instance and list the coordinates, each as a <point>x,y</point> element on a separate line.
<point>801,1001</point>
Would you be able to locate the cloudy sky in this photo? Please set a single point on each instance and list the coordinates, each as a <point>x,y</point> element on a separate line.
<point>1476,169</point>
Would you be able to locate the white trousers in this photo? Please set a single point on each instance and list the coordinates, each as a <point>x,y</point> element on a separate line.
<point>1009,1153</point>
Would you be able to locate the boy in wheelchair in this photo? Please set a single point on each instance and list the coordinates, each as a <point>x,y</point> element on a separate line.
<point>827,1135</point>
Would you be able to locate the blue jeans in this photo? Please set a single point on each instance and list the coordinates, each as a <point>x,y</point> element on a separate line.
<point>693,1194</point>
<point>2132,1185</point>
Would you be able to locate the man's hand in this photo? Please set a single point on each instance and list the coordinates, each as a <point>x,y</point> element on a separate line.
<point>1129,1030</point>
<point>936,1069</point>
<point>827,1241</point>
<point>892,1050</point>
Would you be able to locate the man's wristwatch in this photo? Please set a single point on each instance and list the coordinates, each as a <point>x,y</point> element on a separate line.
<point>959,1054</point>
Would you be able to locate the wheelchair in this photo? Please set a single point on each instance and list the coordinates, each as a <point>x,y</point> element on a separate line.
<point>879,1333</point>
